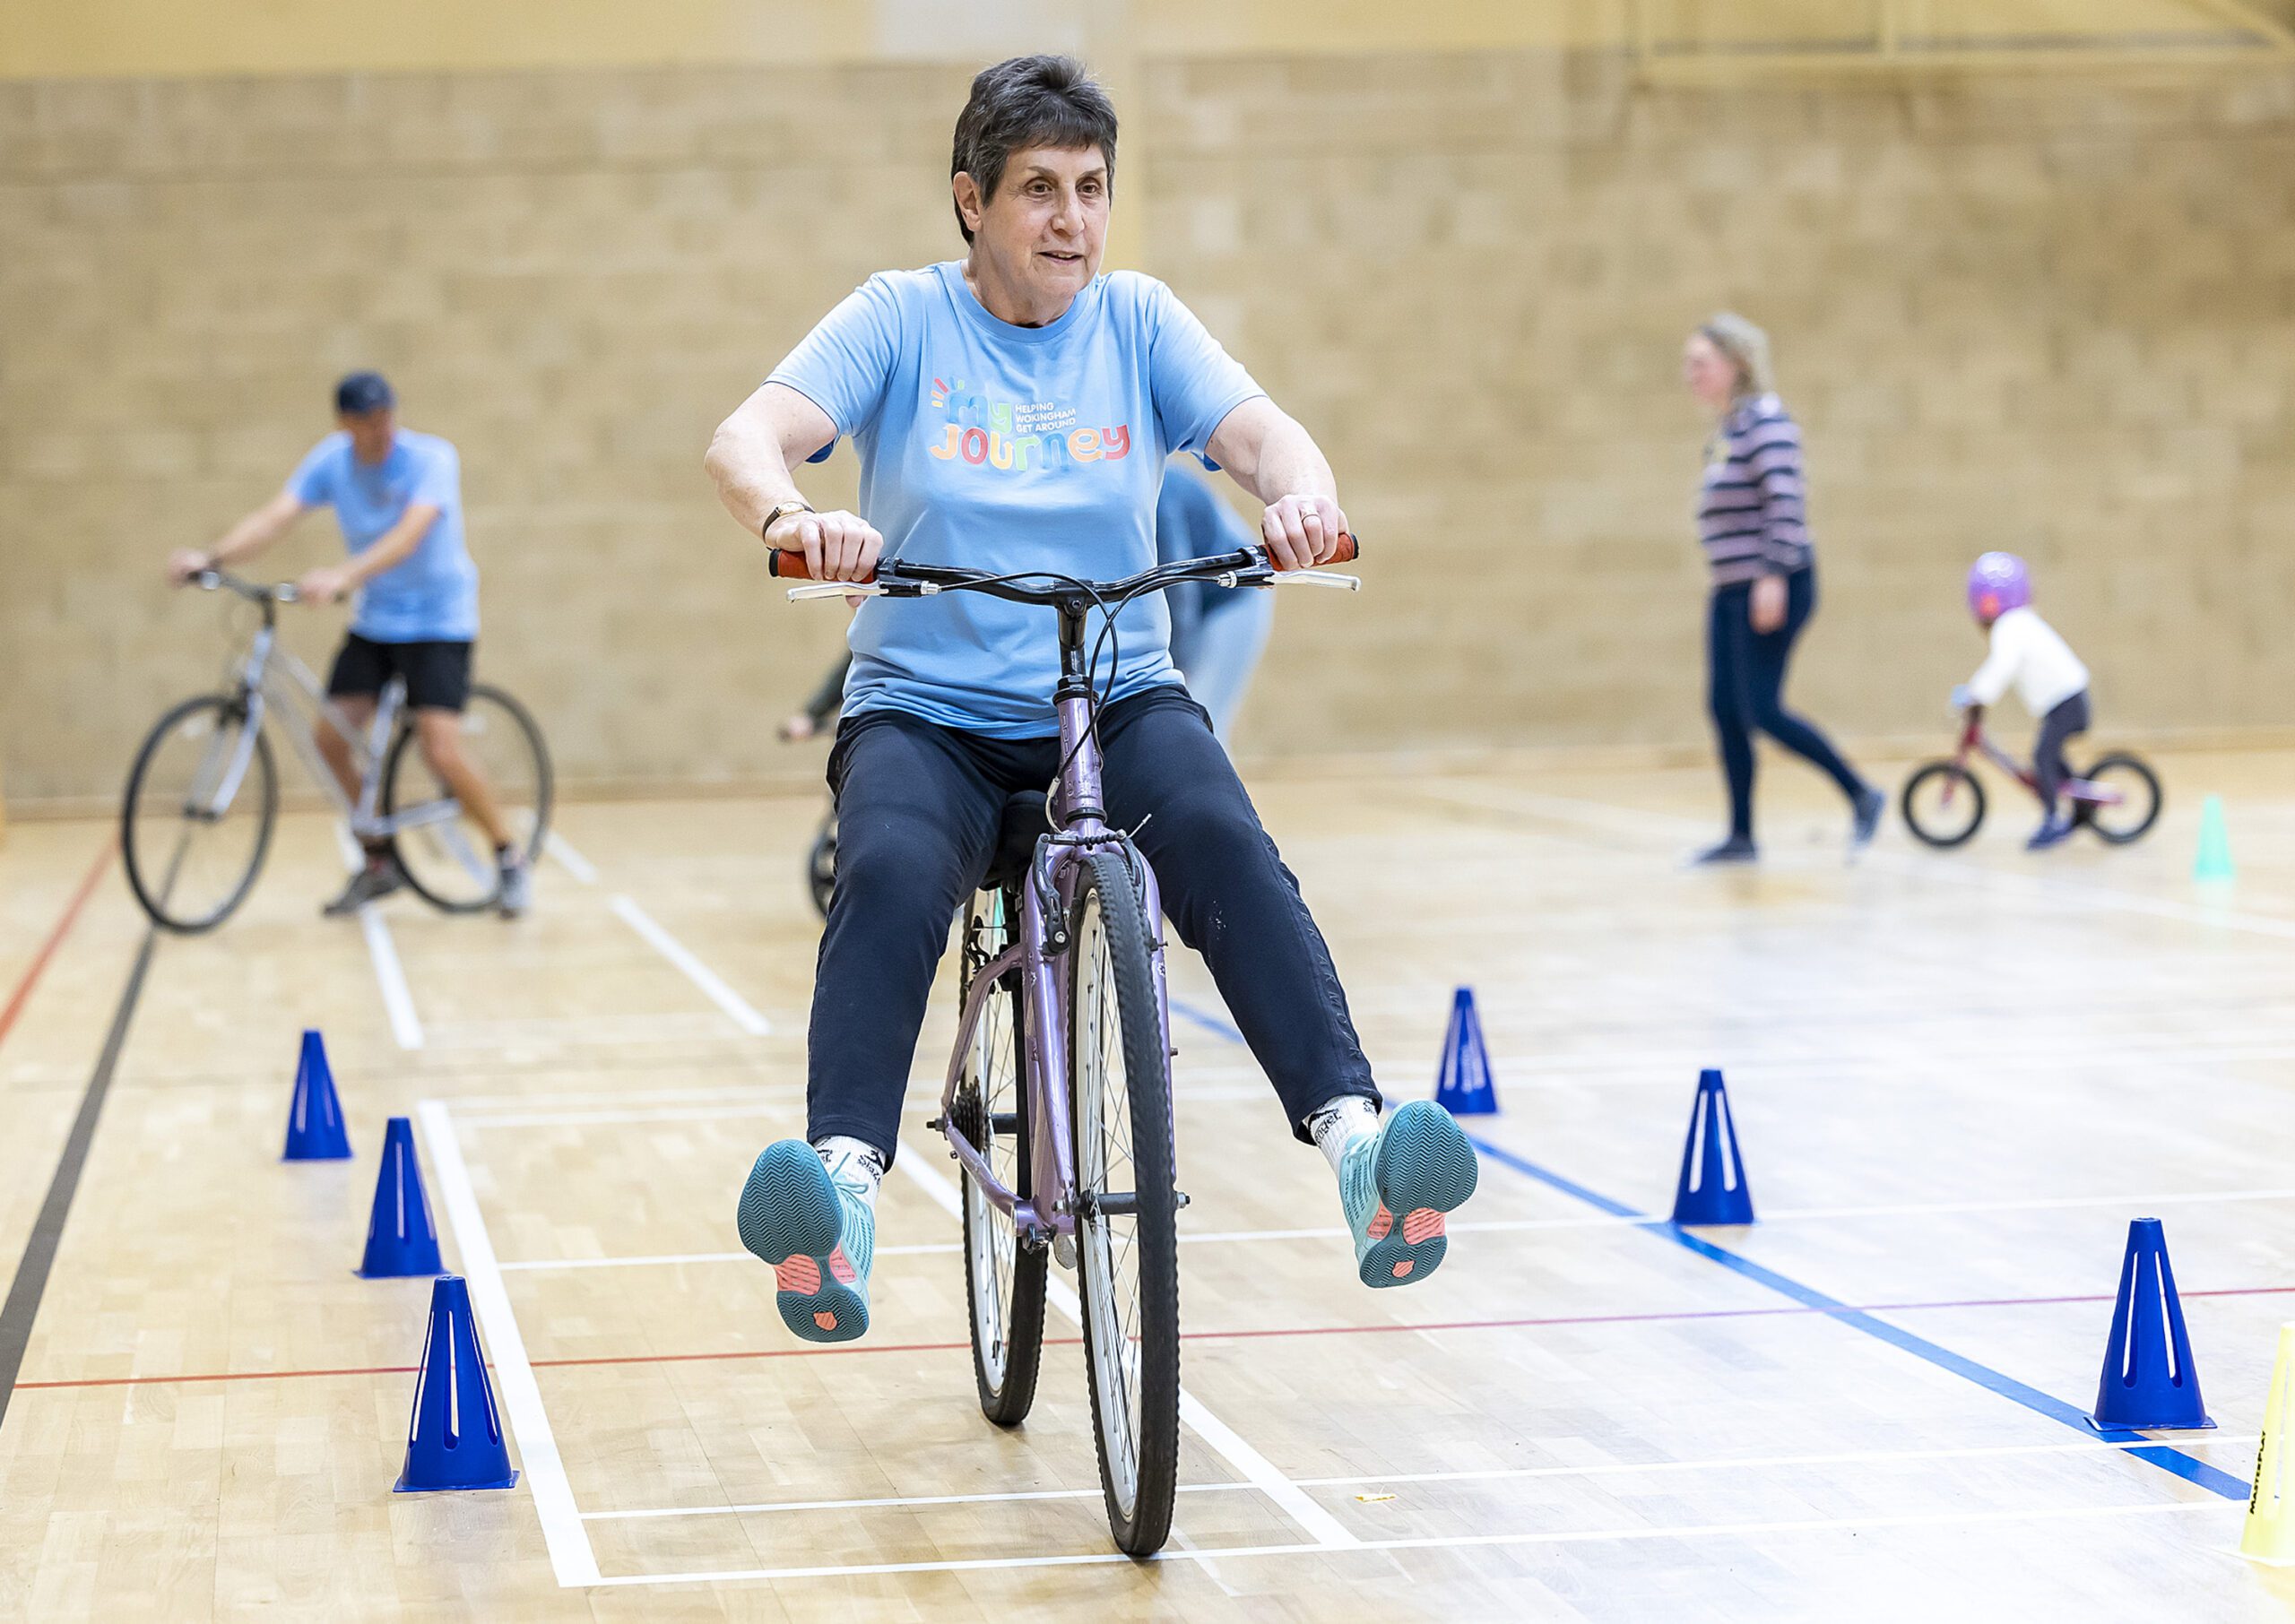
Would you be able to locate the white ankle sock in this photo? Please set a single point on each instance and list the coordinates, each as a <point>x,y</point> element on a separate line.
<point>852,1162</point>
<point>1340,1124</point>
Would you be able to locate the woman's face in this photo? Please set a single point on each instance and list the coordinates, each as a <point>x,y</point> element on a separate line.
<point>1712,376</point>
<point>1045,229</point>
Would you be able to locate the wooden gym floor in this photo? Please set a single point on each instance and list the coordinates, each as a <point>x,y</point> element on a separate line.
<point>1956,1079</point>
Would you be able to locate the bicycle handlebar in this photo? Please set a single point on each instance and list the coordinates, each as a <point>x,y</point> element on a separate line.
<point>208,580</point>
<point>789,564</point>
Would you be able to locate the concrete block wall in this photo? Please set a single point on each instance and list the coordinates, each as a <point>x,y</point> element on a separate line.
<point>2055,316</point>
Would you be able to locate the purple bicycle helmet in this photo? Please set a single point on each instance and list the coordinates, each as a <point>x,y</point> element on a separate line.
<point>1998,583</point>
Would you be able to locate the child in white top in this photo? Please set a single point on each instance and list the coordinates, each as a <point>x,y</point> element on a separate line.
<point>2028,655</point>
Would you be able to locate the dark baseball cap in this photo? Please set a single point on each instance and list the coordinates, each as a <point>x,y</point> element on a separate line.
<point>360,393</point>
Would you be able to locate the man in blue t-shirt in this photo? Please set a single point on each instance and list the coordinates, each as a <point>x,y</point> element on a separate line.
<point>398,497</point>
<point>1013,410</point>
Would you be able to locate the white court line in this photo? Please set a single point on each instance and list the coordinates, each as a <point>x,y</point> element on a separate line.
<point>573,861</point>
<point>2031,887</point>
<point>398,1003</point>
<point>1499,1226</point>
<point>1863,1457</point>
<point>673,1113</point>
<point>736,1008</point>
<point>672,1259</point>
<point>570,1555</point>
<point>1849,1525</point>
<point>893,1501</point>
<point>1225,1441</point>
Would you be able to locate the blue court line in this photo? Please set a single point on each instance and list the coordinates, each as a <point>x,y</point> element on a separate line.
<point>2211,1478</point>
<point>1205,1019</point>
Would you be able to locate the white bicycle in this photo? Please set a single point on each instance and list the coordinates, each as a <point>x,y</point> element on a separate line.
<point>203,797</point>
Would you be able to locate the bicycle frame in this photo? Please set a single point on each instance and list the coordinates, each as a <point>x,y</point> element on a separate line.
<point>1047,1212</point>
<point>273,679</point>
<point>1974,738</point>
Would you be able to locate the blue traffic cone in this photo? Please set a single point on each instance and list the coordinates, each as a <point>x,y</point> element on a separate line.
<point>315,1120</point>
<point>1712,1188</point>
<point>1462,1084</point>
<point>454,1440</point>
<point>400,1238</point>
<point>2149,1379</point>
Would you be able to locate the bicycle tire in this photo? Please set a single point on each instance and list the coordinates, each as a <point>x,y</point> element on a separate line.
<point>153,889</point>
<point>1004,1280</point>
<point>1110,964</point>
<point>2122,761</point>
<point>820,867</point>
<point>544,793</point>
<point>1942,836</point>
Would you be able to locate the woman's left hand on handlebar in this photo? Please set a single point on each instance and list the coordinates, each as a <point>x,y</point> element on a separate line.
<point>838,546</point>
<point>186,562</point>
<point>1303,532</point>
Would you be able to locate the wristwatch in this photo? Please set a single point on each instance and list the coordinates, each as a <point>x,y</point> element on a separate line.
<point>782,510</point>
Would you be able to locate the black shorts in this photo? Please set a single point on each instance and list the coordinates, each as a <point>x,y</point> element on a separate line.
<point>437,674</point>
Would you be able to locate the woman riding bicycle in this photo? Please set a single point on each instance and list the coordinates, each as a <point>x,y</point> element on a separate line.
<point>1013,410</point>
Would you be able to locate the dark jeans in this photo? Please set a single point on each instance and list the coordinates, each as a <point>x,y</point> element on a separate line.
<point>918,808</point>
<point>1746,689</point>
<point>2063,719</point>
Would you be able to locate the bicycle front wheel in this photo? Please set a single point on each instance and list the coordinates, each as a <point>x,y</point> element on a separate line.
<point>1004,1280</point>
<point>1943,804</point>
<point>449,857</point>
<point>1127,1240</point>
<point>820,866</point>
<point>195,822</point>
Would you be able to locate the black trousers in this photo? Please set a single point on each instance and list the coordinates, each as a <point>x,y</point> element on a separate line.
<point>918,807</point>
<point>2063,719</point>
<point>1745,691</point>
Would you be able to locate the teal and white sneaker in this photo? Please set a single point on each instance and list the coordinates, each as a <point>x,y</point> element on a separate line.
<point>1419,1165</point>
<point>818,1234</point>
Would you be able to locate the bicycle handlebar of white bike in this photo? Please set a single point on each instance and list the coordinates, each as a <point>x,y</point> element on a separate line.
<point>208,580</point>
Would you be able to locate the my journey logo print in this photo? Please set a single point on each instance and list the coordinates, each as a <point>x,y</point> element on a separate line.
<point>1016,437</point>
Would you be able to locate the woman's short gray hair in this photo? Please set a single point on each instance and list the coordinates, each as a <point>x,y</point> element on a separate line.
<point>1029,101</point>
<point>1747,348</point>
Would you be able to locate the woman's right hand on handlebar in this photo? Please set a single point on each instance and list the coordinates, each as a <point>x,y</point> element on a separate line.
<point>838,546</point>
<point>186,562</point>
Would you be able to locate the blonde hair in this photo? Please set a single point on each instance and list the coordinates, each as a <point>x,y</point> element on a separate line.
<point>1747,348</point>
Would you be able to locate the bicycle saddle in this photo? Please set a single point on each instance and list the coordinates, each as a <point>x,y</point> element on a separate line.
<point>1016,839</point>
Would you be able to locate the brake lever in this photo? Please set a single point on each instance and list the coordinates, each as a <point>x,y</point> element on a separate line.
<point>862,589</point>
<point>1318,577</point>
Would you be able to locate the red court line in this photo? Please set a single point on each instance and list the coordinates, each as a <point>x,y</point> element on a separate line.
<point>1661,1315</point>
<point>18,998</point>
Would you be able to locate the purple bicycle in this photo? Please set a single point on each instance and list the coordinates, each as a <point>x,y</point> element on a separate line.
<point>1059,1096</point>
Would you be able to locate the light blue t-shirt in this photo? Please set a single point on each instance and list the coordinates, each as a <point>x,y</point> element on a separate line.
<point>432,596</point>
<point>1009,448</point>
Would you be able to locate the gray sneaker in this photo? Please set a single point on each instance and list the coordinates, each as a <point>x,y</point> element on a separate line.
<point>377,879</point>
<point>516,894</point>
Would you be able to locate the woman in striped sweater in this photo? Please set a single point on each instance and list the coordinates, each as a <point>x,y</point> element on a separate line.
<point>1757,543</point>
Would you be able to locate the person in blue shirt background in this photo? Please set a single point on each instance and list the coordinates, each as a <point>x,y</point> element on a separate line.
<point>397,494</point>
<point>1218,632</point>
<point>1013,410</point>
